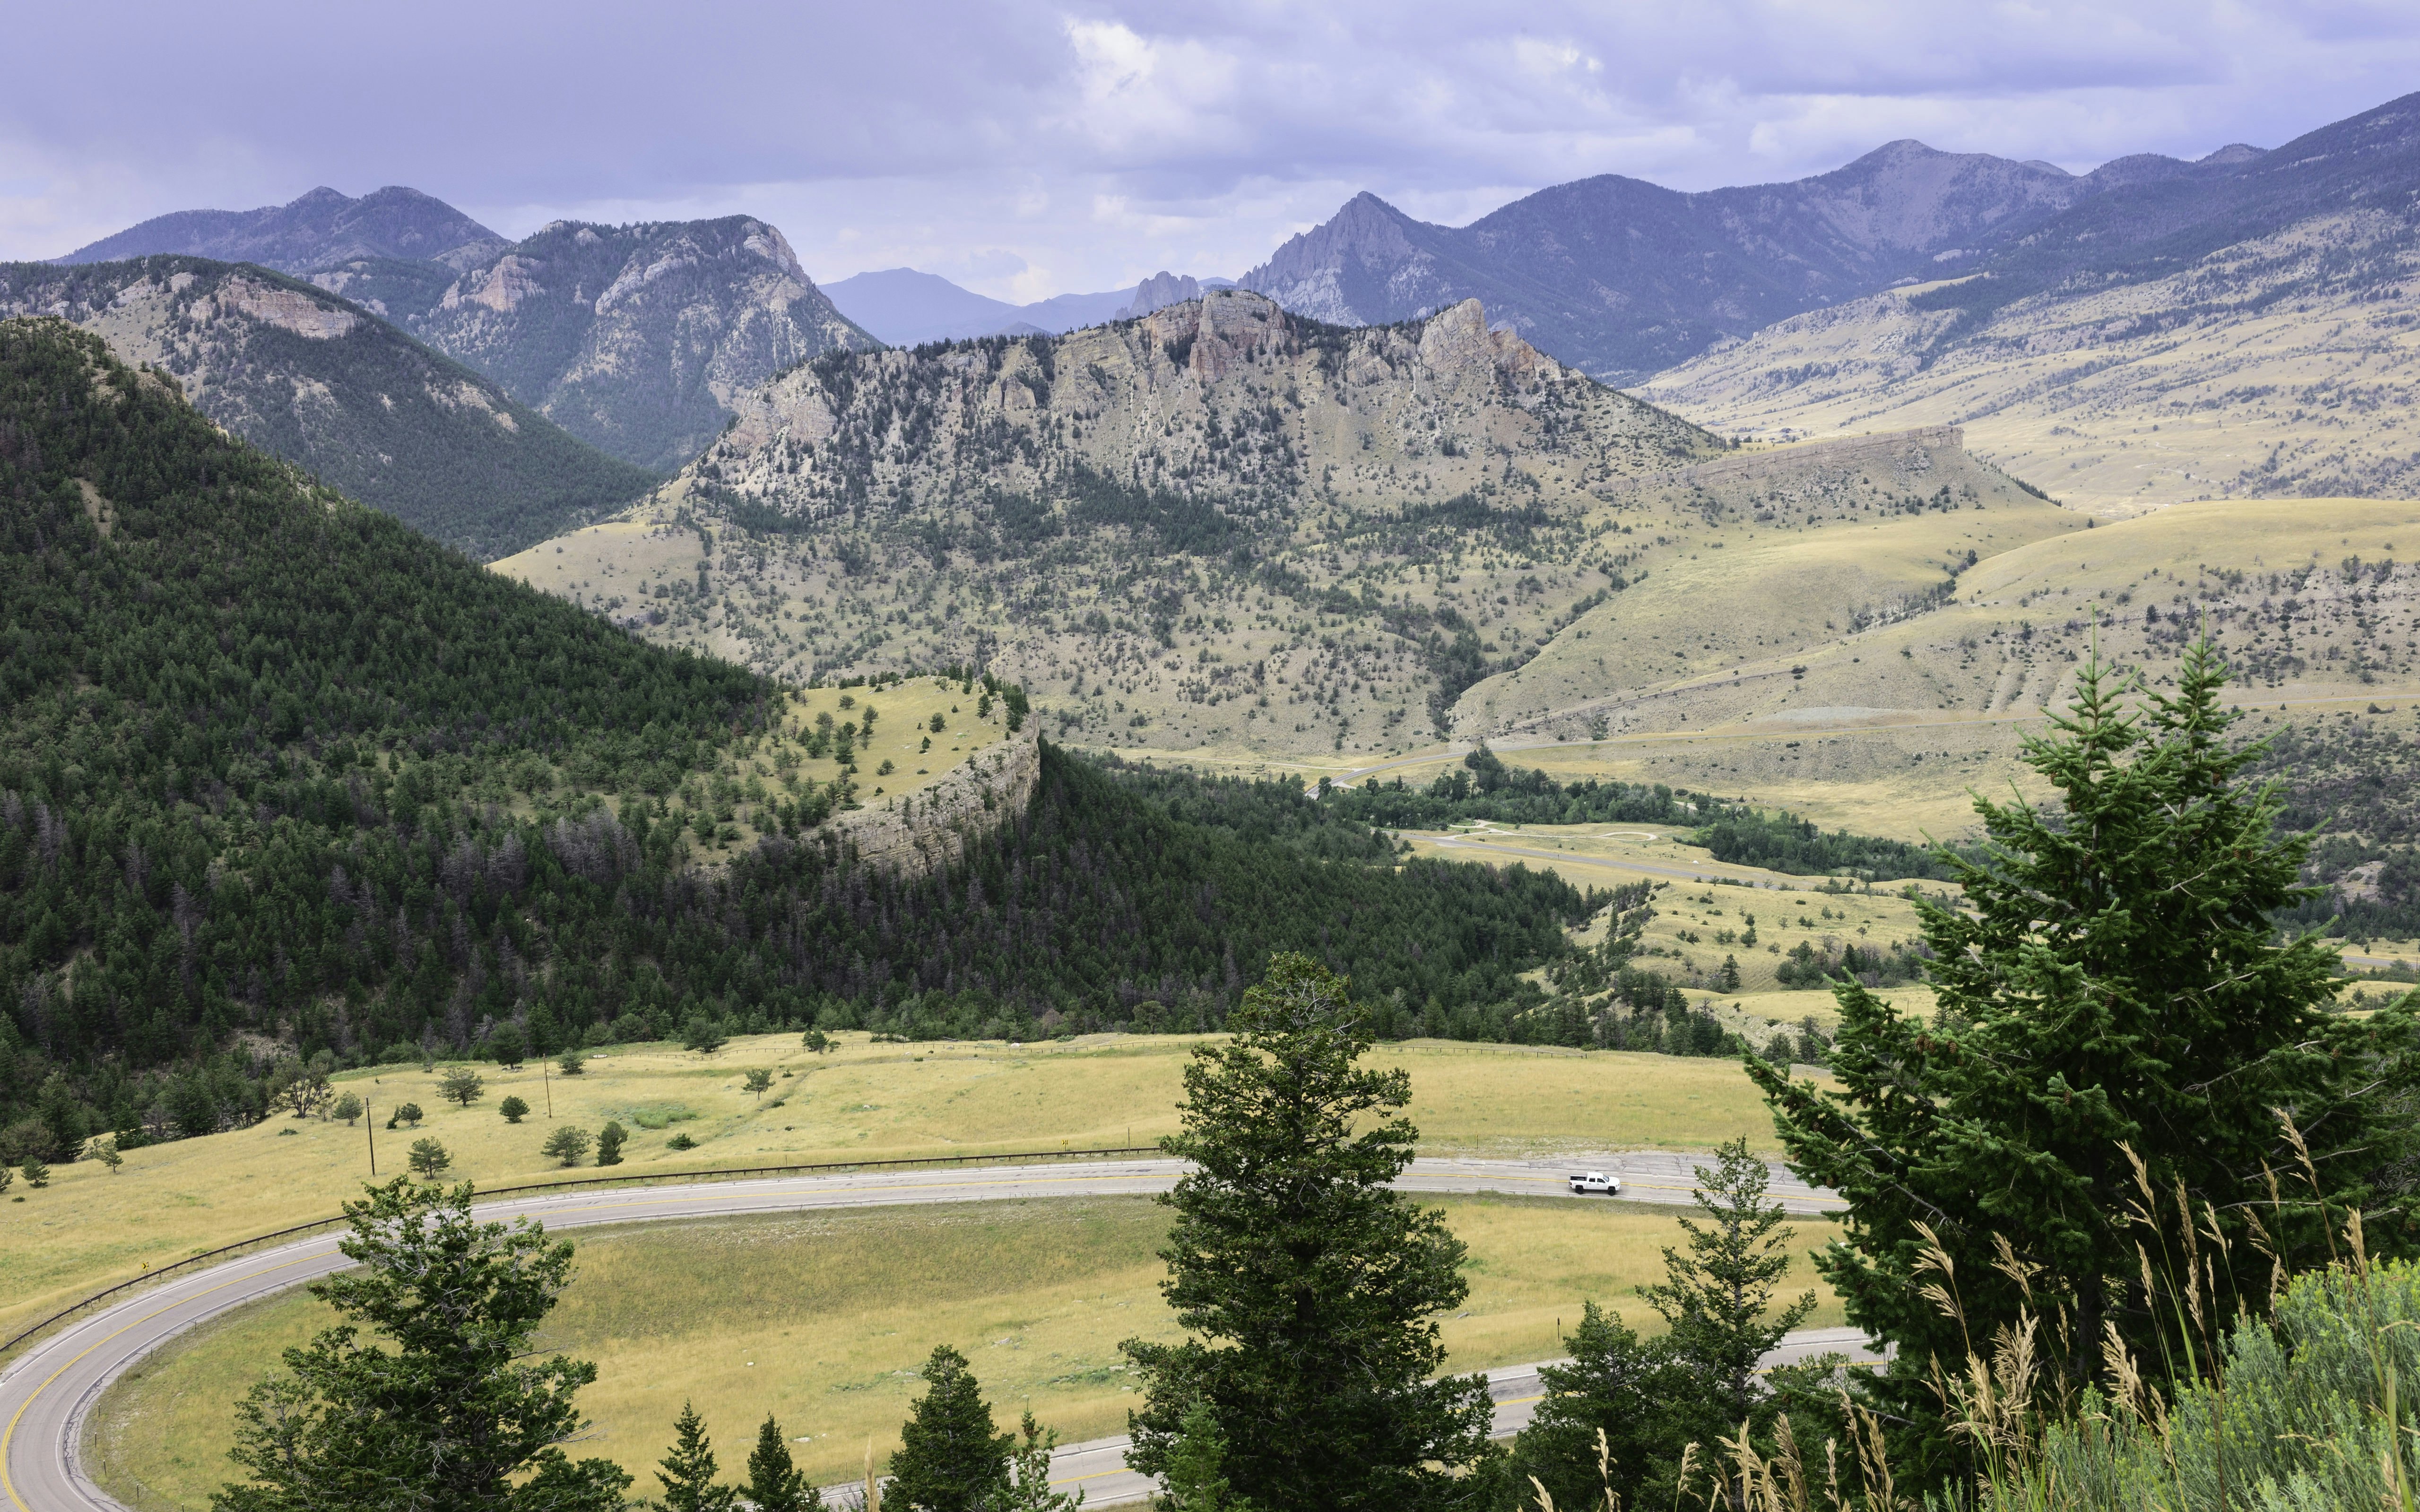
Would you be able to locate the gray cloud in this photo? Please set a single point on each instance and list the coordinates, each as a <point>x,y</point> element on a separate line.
<point>1031,149</point>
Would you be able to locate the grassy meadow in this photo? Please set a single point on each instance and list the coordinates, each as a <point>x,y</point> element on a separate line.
<point>823,1319</point>
<point>863,1101</point>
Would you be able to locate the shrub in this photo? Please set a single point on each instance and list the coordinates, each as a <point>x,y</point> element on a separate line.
<point>680,1141</point>
<point>608,1143</point>
<point>514,1109</point>
<point>348,1107</point>
<point>572,1064</point>
<point>37,1173</point>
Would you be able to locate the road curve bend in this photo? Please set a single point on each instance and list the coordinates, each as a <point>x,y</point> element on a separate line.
<point>46,1394</point>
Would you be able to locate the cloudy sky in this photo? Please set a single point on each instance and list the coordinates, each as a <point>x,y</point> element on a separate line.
<point>1029,149</point>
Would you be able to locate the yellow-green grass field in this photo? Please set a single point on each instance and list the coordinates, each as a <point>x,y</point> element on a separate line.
<point>822,1320</point>
<point>89,1228</point>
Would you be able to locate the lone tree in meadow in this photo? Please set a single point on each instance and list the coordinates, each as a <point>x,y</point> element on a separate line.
<point>2114,983</point>
<point>952,1457</point>
<point>513,1108</point>
<point>429,1159</point>
<point>348,1107</point>
<point>566,1143</point>
<point>430,1392</point>
<point>1308,1287</point>
<point>758,1081</point>
<point>610,1140</point>
<point>463,1085</point>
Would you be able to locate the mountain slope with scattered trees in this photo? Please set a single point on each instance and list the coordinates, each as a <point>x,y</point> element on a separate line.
<point>322,383</point>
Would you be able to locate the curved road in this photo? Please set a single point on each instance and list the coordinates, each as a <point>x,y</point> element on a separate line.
<point>45,1393</point>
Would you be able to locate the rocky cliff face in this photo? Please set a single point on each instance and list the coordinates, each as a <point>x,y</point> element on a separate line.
<point>1160,291</point>
<point>926,831</point>
<point>634,338</point>
<point>1225,402</point>
<point>637,339</point>
<point>301,373</point>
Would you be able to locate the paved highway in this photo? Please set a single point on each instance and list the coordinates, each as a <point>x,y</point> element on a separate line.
<point>46,1393</point>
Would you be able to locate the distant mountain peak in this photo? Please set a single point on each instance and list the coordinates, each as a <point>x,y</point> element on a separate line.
<point>1160,291</point>
<point>322,228</point>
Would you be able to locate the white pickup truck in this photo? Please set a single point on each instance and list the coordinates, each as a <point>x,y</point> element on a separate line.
<point>1588,1181</point>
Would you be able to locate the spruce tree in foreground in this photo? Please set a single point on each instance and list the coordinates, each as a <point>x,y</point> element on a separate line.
<point>952,1457</point>
<point>2113,980</point>
<point>428,1393</point>
<point>1717,1300</point>
<point>1310,1288</point>
<point>687,1473</point>
<point>775,1483</point>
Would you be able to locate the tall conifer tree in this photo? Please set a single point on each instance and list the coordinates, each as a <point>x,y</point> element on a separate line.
<point>1310,1287</point>
<point>688,1472</point>
<point>775,1483</point>
<point>2112,982</point>
<point>952,1457</point>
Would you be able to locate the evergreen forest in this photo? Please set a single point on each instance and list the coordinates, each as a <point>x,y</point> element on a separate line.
<point>258,798</point>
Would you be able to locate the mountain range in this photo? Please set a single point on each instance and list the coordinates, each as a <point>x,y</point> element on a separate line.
<point>1621,278</point>
<point>2244,330</point>
<point>633,338</point>
<point>907,308</point>
<point>1224,526</point>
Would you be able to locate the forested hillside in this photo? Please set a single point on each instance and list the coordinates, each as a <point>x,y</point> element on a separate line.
<point>279,777</point>
<point>297,371</point>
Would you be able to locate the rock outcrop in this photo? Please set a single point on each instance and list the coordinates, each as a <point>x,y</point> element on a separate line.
<point>919,832</point>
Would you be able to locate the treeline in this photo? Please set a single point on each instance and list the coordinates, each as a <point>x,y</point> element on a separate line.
<point>1484,787</point>
<point>377,938</point>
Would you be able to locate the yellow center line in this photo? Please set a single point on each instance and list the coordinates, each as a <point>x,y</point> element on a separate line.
<point>7,1438</point>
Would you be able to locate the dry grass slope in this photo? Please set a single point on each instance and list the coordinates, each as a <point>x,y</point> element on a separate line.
<point>822,1320</point>
<point>865,1100</point>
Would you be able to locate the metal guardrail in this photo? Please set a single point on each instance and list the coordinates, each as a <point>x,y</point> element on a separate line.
<point>628,1178</point>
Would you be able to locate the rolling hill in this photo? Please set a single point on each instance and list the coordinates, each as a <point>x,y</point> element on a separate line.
<point>318,381</point>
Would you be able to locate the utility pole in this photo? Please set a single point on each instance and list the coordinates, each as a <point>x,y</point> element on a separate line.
<point>547,1082</point>
<point>369,1127</point>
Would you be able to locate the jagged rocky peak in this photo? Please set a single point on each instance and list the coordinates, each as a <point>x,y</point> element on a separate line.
<point>1160,291</point>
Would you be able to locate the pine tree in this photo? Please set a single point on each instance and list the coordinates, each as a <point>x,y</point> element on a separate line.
<point>428,1393</point>
<point>775,1483</point>
<point>951,1457</point>
<point>2111,983</point>
<point>1717,1299</point>
<point>1310,1287</point>
<point>688,1472</point>
<point>1619,1394</point>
